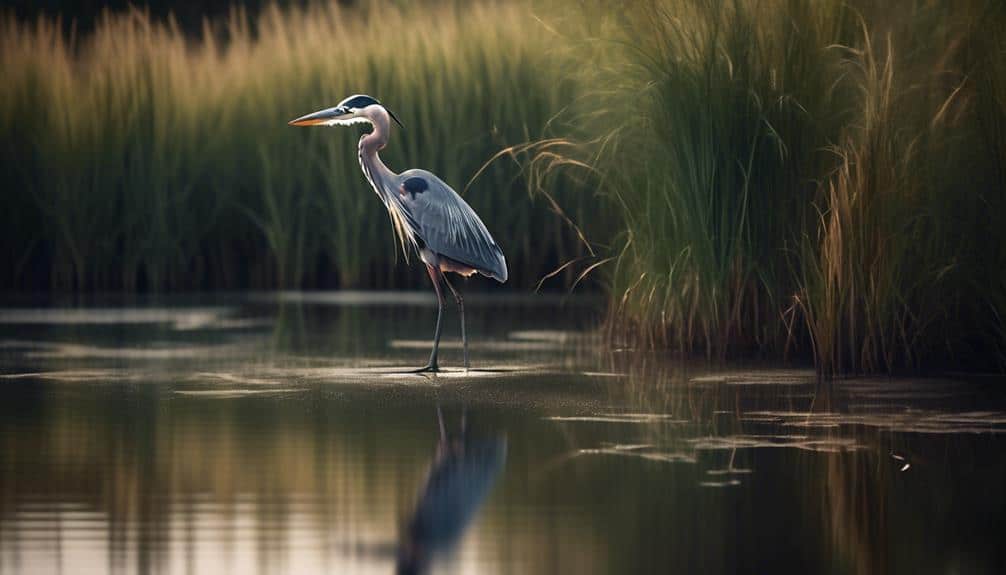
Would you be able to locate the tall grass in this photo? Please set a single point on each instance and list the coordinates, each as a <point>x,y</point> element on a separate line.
<point>769,177</point>
<point>137,158</point>
<point>983,56</point>
<point>894,271</point>
<point>707,137</point>
<point>819,177</point>
<point>860,271</point>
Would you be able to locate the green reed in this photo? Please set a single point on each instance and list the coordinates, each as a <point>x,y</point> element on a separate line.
<point>895,273</point>
<point>704,142</point>
<point>136,158</point>
<point>767,177</point>
<point>798,177</point>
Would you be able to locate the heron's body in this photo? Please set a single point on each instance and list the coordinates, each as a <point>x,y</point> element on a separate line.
<point>426,214</point>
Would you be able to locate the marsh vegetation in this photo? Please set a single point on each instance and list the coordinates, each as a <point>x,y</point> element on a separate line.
<point>813,177</point>
<point>784,179</point>
<point>136,157</point>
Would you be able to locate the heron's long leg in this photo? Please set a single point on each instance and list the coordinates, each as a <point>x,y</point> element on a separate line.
<point>435,275</point>
<point>461,308</point>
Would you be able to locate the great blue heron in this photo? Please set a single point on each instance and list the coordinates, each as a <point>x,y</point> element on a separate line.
<point>425,212</point>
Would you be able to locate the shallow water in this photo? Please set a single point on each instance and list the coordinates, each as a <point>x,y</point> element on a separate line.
<point>277,433</point>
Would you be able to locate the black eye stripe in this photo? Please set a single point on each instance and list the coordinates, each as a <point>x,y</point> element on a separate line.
<point>358,102</point>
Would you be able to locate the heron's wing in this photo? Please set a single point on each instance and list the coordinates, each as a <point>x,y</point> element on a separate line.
<point>448,225</point>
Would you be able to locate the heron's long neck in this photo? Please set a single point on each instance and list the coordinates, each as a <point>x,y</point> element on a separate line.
<point>379,176</point>
<point>383,179</point>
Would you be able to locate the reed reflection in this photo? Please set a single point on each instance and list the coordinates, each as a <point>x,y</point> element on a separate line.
<point>151,449</point>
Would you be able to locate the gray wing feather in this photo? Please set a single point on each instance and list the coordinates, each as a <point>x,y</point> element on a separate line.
<point>448,225</point>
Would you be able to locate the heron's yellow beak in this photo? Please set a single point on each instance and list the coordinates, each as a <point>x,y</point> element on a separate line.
<point>319,118</point>
<point>304,122</point>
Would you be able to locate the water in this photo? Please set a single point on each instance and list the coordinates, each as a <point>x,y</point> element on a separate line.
<point>277,434</point>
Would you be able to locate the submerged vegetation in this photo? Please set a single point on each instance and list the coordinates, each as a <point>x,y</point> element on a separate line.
<point>775,177</point>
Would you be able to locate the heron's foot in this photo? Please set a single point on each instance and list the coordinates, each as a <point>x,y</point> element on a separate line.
<point>429,368</point>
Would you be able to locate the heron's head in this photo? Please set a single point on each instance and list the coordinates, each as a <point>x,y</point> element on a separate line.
<point>357,109</point>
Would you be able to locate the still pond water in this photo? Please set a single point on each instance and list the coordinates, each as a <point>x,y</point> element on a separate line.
<point>276,434</point>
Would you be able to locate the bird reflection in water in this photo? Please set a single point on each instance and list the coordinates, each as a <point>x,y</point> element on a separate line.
<point>459,480</point>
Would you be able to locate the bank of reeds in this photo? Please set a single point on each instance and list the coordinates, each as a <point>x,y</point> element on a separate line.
<point>783,178</point>
<point>818,178</point>
<point>140,157</point>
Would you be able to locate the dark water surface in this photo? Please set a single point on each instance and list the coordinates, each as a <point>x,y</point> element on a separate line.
<point>272,434</point>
